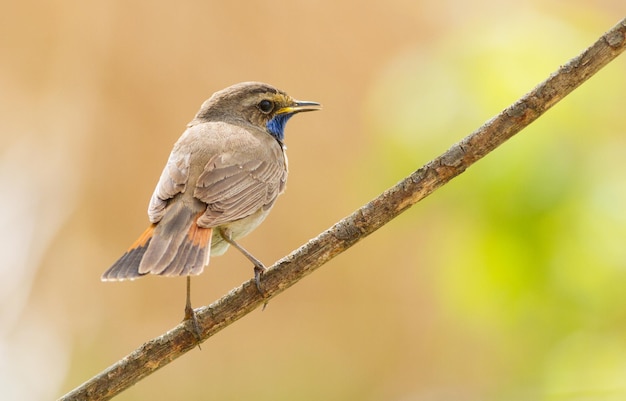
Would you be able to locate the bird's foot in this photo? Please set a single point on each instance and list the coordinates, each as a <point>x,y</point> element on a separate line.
<point>259,269</point>
<point>190,315</point>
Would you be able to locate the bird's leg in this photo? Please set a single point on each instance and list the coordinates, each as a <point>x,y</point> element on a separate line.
<point>190,314</point>
<point>259,267</point>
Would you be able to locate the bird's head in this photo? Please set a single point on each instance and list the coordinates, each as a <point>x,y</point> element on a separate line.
<point>256,103</point>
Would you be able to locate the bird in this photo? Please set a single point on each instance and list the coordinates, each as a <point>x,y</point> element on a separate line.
<point>220,181</point>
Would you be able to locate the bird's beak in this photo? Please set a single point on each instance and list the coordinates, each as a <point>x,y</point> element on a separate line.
<point>299,106</point>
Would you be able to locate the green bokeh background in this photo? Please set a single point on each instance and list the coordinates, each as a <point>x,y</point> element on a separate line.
<point>506,284</point>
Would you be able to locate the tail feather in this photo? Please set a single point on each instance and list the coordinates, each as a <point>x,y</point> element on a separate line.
<point>193,255</point>
<point>172,247</point>
<point>200,238</point>
<point>176,266</point>
<point>127,267</point>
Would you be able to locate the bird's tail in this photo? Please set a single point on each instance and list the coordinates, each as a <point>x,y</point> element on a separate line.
<point>175,246</point>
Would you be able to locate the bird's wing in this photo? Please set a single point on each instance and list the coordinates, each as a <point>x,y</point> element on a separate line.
<point>173,181</point>
<point>235,185</point>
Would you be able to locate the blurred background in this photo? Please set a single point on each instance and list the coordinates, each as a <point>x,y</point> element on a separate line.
<point>507,284</point>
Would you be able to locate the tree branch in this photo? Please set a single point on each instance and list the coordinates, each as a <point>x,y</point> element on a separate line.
<point>160,351</point>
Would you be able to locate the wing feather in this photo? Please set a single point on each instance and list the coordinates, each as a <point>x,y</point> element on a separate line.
<point>234,189</point>
<point>172,182</point>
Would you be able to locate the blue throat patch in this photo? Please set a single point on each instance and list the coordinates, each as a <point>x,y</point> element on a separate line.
<point>276,126</point>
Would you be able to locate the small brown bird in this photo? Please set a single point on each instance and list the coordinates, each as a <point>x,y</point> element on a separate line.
<point>220,181</point>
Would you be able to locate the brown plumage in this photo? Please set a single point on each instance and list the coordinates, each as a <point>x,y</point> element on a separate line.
<point>221,180</point>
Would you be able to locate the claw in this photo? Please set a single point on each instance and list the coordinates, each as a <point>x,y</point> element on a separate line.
<point>258,270</point>
<point>190,315</point>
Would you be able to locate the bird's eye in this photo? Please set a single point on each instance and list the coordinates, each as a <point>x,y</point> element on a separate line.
<point>265,106</point>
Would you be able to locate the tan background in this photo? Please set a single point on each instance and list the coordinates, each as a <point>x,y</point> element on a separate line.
<point>506,285</point>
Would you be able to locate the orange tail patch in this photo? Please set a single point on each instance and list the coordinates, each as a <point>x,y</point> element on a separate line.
<point>127,267</point>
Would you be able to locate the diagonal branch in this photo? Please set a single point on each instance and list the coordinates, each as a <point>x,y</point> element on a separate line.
<point>160,351</point>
